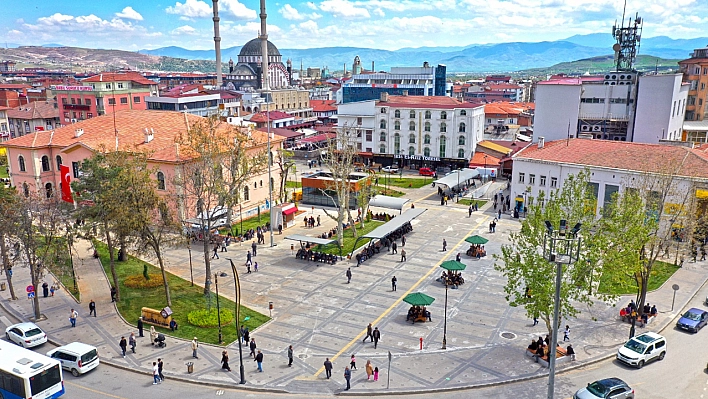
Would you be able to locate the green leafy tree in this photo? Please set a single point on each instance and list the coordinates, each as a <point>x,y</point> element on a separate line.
<point>9,217</point>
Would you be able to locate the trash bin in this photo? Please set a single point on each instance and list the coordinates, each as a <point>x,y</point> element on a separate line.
<point>190,367</point>
<point>3,286</point>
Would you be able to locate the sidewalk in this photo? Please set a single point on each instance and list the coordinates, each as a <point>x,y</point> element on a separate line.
<point>322,316</point>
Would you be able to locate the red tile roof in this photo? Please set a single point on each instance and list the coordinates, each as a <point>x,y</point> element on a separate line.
<point>651,158</point>
<point>507,108</point>
<point>14,86</point>
<point>261,117</point>
<point>35,110</point>
<point>482,159</point>
<point>120,77</point>
<point>323,105</point>
<point>439,102</point>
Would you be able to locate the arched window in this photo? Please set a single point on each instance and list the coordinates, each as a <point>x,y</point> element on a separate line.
<point>463,113</point>
<point>397,125</point>
<point>396,143</point>
<point>382,136</point>
<point>58,163</point>
<point>160,180</point>
<point>261,183</point>
<point>463,127</point>
<point>382,124</point>
<point>411,114</point>
<point>411,139</point>
<point>48,189</point>
<point>255,185</point>
<point>25,189</point>
<point>461,140</point>
<point>382,149</point>
<point>21,161</point>
<point>411,150</point>
<point>245,194</point>
<point>443,115</point>
<point>427,126</point>
<point>443,127</point>
<point>427,114</point>
<point>45,164</point>
<point>461,153</point>
<point>397,113</point>
<point>411,126</point>
<point>443,142</point>
<point>426,139</point>
<point>426,151</point>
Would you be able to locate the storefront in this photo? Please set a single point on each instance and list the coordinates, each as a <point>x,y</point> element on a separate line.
<point>415,162</point>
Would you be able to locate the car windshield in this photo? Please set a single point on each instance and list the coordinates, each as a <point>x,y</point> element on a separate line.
<point>33,332</point>
<point>635,346</point>
<point>692,316</point>
<point>597,389</point>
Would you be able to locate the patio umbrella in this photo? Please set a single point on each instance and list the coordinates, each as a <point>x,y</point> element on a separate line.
<point>477,240</point>
<point>418,299</point>
<point>453,265</point>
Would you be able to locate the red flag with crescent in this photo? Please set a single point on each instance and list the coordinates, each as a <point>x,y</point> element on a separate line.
<point>66,184</point>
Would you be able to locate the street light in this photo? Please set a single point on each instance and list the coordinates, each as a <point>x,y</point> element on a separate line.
<point>444,345</point>
<point>485,169</point>
<point>562,248</point>
<point>270,179</point>
<point>237,293</point>
<point>218,308</point>
<point>189,248</point>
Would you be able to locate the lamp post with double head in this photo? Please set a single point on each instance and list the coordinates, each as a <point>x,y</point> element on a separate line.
<point>237,292</point>
<point>444,344</point>
<point>218,307</point>
<point>560,247</point>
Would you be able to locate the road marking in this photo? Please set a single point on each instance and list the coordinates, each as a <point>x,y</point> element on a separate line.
<point>94,390</point>
<point>219,392</point>
<point>400,299</point>
<point>5,321</point>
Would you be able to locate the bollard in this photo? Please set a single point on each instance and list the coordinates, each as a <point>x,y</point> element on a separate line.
<point>421,343</point>
<point>190,367</point>
<point>270,309</point>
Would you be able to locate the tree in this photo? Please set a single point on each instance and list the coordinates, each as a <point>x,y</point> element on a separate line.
<point>9,206</point>
<point>530,277</point>
<point>284,160</point>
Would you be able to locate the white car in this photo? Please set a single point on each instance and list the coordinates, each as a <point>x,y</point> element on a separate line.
<point>76,357</point>
<point>642,349</point>
<point>390,169</point>
<point>27,335</point>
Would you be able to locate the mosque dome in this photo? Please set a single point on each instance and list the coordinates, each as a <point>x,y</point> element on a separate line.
<point>253,48</point>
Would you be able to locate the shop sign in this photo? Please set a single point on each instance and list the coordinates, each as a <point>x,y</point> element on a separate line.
<point>418,158</point>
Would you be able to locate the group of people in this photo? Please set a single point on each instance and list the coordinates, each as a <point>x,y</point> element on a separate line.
<point>452,278</point>
<point>310,222</point>
<point>388,242</point>
<point>417,313</point>
<point>631,312</point>
<point>308,254</point>
<point>541,349</point>
<point>476,251</point>
<point>380,216</point>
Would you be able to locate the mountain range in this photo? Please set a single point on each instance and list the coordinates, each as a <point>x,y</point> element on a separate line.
<point>501,57</point>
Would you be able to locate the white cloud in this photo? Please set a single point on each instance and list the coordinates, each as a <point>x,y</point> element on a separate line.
<point>129,13</point>
<point>291,13</point>
<point>238,10</point>
<point>312,5</point>
<point>344,9</point>
<point>190,9</point>
<point>184,30</point>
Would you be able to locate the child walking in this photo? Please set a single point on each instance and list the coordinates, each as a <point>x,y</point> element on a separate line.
<point>352,364</point>
<point>376,373</point>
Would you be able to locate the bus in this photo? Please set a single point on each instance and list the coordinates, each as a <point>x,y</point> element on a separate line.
<point>25,374</point>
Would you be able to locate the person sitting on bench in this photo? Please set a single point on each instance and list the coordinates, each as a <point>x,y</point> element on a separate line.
<point>173,325</point>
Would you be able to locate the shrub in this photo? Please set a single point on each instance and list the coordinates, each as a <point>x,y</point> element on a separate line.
<point>139,281</point>
<point>208,318</point>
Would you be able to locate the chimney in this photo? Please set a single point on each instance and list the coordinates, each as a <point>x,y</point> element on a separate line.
<point>541,142</point>
<point>78,132</point>
<point>384,97</point>
<point>149,135</point>
<point>405,93</point>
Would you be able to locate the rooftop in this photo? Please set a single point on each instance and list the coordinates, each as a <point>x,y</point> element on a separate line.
<point>425,102</point>
<point>35,110</point>
<point>120,77</point>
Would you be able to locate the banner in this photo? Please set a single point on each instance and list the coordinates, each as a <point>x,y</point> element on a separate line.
<point>66,184</point>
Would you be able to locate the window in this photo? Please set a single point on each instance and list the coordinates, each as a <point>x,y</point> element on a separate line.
<point>382,149</point>
<point>461,140</point>
<point>397,125</point>
<point>443,115</point>
<point>396,143</point>
<point>58,162</point>
<point>463,127</point>
<point>461,153</point>
<point>426,151</point>
<point>411,126</point>
<point>369,134</point>
<point>427,114</point>
<point>522,178</point>
<point>45,164</point>
<point>411,115</point>
<point>426,139</point>
<point>358,120</point>
<point>73,101</point>
<point>64,100</point>
<point>463,113</point>
<point>382,136</point>
<point>443,127</point>
<point>136,100</point>
<point>411,139</point>
<point>411,150</point>
<point>427,126</point>
<point>89,115</point>
<point>75,169</point>
<point>542,181</point>
<point>443,142</point>
<point>25,189</point>
<point>21,162</point>
<point>160,181</point>
<point>245,194</point>
<point>48,189</point>
<point>260,183</point>
<point>397,113</point>
<point>610,191</point>
<point>532,179</point>
<point>124,100</point>
<point>111,101</point>
<point>554,182</point>
<point>108,85</point>
<point>255,185</point>
<point>383,110</point>
<point>120,85</point>
<point>87,101</point>
<point>382,124</point>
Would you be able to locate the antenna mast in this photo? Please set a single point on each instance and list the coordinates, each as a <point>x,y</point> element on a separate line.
<point>628,39</point>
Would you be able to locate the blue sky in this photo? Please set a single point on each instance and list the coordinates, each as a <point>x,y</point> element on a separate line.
<point>384,24</point>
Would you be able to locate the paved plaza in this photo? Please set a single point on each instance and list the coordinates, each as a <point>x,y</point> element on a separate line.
<point>317,312</point>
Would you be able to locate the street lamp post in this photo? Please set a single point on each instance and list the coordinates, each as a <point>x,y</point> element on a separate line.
<point>485,169</point>
<point>270,179</point>
<point>237,291</point>
<point>444,345</point>
<point>218,308</point>
<point>191,273</point>
<point>560,247</point>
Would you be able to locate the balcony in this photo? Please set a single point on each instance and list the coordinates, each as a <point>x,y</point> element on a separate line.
<point>77,107</point>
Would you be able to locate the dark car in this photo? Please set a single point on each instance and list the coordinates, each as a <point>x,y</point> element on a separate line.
<point>609,388</point>
<point>693,320</point>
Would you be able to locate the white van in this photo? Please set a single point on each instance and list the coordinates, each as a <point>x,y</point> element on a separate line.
<point>76,357</point>
<point>642,349</point>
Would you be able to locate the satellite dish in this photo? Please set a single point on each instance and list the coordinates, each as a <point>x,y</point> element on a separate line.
<point>616,47</point>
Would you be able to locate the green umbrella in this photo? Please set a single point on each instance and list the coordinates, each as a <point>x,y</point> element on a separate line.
<point>477,240</point>
<point>453,265</point>
<point>418,299</point>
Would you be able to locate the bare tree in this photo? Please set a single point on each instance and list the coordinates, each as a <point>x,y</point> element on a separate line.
<point>9,217</point>
<point>284,160</point>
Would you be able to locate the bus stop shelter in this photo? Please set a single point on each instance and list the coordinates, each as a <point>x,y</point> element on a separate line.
<point>384,201</point>
<point>391,226</point>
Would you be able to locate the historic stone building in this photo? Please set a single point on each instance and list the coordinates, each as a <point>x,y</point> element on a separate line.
<point>247,75</point>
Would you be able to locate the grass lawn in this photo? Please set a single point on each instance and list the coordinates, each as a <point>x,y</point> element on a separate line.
<point>61,266</point>
<point>349,239</point>
<point>292,184</point>
<point>383,191</point>
<point>185,299</point>
<point>406,182</point>
<point>250,223</point>
<point>659,274</point>
<point>467,202</point>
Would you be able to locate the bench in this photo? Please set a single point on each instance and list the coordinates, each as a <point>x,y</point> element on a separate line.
<point>561,356</point>
<point>628,319</point>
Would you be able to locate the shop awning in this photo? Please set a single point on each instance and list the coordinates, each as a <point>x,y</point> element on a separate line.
<point>312,240</point>
<point>290,211</point>
<point>459,176</point>
<point>384,201</point>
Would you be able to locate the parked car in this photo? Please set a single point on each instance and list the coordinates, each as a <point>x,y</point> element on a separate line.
<point>426,172</point>
<point>76,357</point>
<point>609,388</point>
<point>642,349</point>
<point>27,335</point>
<point>693,320</point>
<point>390,169</point>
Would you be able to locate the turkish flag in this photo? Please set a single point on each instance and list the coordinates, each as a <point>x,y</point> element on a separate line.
<point>66,184</point>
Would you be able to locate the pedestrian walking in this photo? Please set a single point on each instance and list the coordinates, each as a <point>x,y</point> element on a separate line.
<point>318,220</point>
<point>254,247</point>
<point>216,252</point>
<point>328,368</point>
<point>394,248</point>
<point>248,257</point>
<point>500,212</point>
<point>123,345</point>
<point>349,275</point>
<point>132,342</point>
<point>259,361</point>
<point>566,333</point>
<point>252,346</point>
<point>160,366</point>
<point>394,280</point>
<point>469,212</point>
<point>155,374</point>
<point>403,241</point>
<point>376,373</point>
<point>352,363</point>
<point>458,257</point>
<point>114,292</point>
<point>45,289</point>
<point>369,331</point>
<point>255,266</point>
<point>73,315</point>
<point>348,377</point>
<point>377,336</point>
<point>403,255</point>
<point>195,346</point>
<point>535,320</point>
<point>140,326</point>
<point>570,352</point>
<point>92,308</point>
<point>153,335</point>
<point>248,266</point>
<point>369,370</point>
<point>290,356</point>
<point>223,245</point>
<point>246,334</point>
<point>225,361</point>
<point>444,245</point>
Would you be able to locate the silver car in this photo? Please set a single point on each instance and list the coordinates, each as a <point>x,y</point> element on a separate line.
<point>609,388</point>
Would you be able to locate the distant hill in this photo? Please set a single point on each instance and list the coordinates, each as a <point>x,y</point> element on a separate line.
<point>601,64</point>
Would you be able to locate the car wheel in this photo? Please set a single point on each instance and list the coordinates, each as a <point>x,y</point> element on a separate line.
<point>75,372</point>
<point>640,364</point>
<point>661,356</point>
